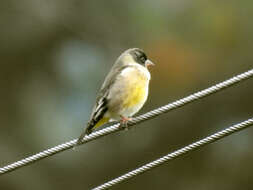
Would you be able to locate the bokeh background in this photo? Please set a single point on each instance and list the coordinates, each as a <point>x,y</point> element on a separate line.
<point>54,56</point>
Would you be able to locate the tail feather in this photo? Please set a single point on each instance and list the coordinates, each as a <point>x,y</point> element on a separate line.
<point>90,126</point>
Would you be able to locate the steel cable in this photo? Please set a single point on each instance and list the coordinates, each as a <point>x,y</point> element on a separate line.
<point>134,121</point>
<point>177,153</point>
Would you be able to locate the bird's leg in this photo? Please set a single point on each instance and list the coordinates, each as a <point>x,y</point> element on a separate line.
<point>124,121</point>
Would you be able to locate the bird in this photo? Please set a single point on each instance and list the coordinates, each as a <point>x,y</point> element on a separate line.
<point>123,93</point>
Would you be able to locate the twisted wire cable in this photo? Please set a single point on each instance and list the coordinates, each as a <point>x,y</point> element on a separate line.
<point>177,153</point>
<point>134,121</point>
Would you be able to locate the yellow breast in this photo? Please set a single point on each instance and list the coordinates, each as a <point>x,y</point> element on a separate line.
<point>136,89</point>
<point>129,92</point>
<point>136,95</point>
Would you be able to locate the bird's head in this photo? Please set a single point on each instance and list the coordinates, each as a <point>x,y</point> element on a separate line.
<point>136,55</point>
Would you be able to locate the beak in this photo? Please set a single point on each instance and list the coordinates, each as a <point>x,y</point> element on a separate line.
<point>149,63</point>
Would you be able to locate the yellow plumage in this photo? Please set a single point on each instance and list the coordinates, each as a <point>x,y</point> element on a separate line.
<point>135,96</point>
<point>102,122</point>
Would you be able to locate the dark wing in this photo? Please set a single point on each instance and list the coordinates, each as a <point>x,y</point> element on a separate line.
<point>102,100</point>
<point>97,113</point>
<point>99,110</point>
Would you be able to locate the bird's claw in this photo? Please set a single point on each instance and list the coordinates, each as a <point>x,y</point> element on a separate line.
<point>124,122</point>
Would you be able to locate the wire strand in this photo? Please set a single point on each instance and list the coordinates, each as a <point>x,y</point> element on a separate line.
<point>57,149</point>
<point>177,153</point>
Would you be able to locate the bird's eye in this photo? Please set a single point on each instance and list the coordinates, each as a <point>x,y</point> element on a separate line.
<point>143,59</point>
<point>140,57</point>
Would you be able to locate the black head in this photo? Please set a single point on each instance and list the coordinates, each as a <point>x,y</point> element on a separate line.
<point>139,56</point>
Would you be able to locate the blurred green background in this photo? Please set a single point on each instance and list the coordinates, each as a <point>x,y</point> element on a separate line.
<point>54,56</point>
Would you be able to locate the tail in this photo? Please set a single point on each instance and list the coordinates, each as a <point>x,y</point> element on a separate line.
<point>90,126</point>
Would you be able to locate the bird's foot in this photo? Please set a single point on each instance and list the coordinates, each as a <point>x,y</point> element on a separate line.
<point>124,122</point>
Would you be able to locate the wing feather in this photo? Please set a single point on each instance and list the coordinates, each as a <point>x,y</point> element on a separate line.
<point>102,100</point>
